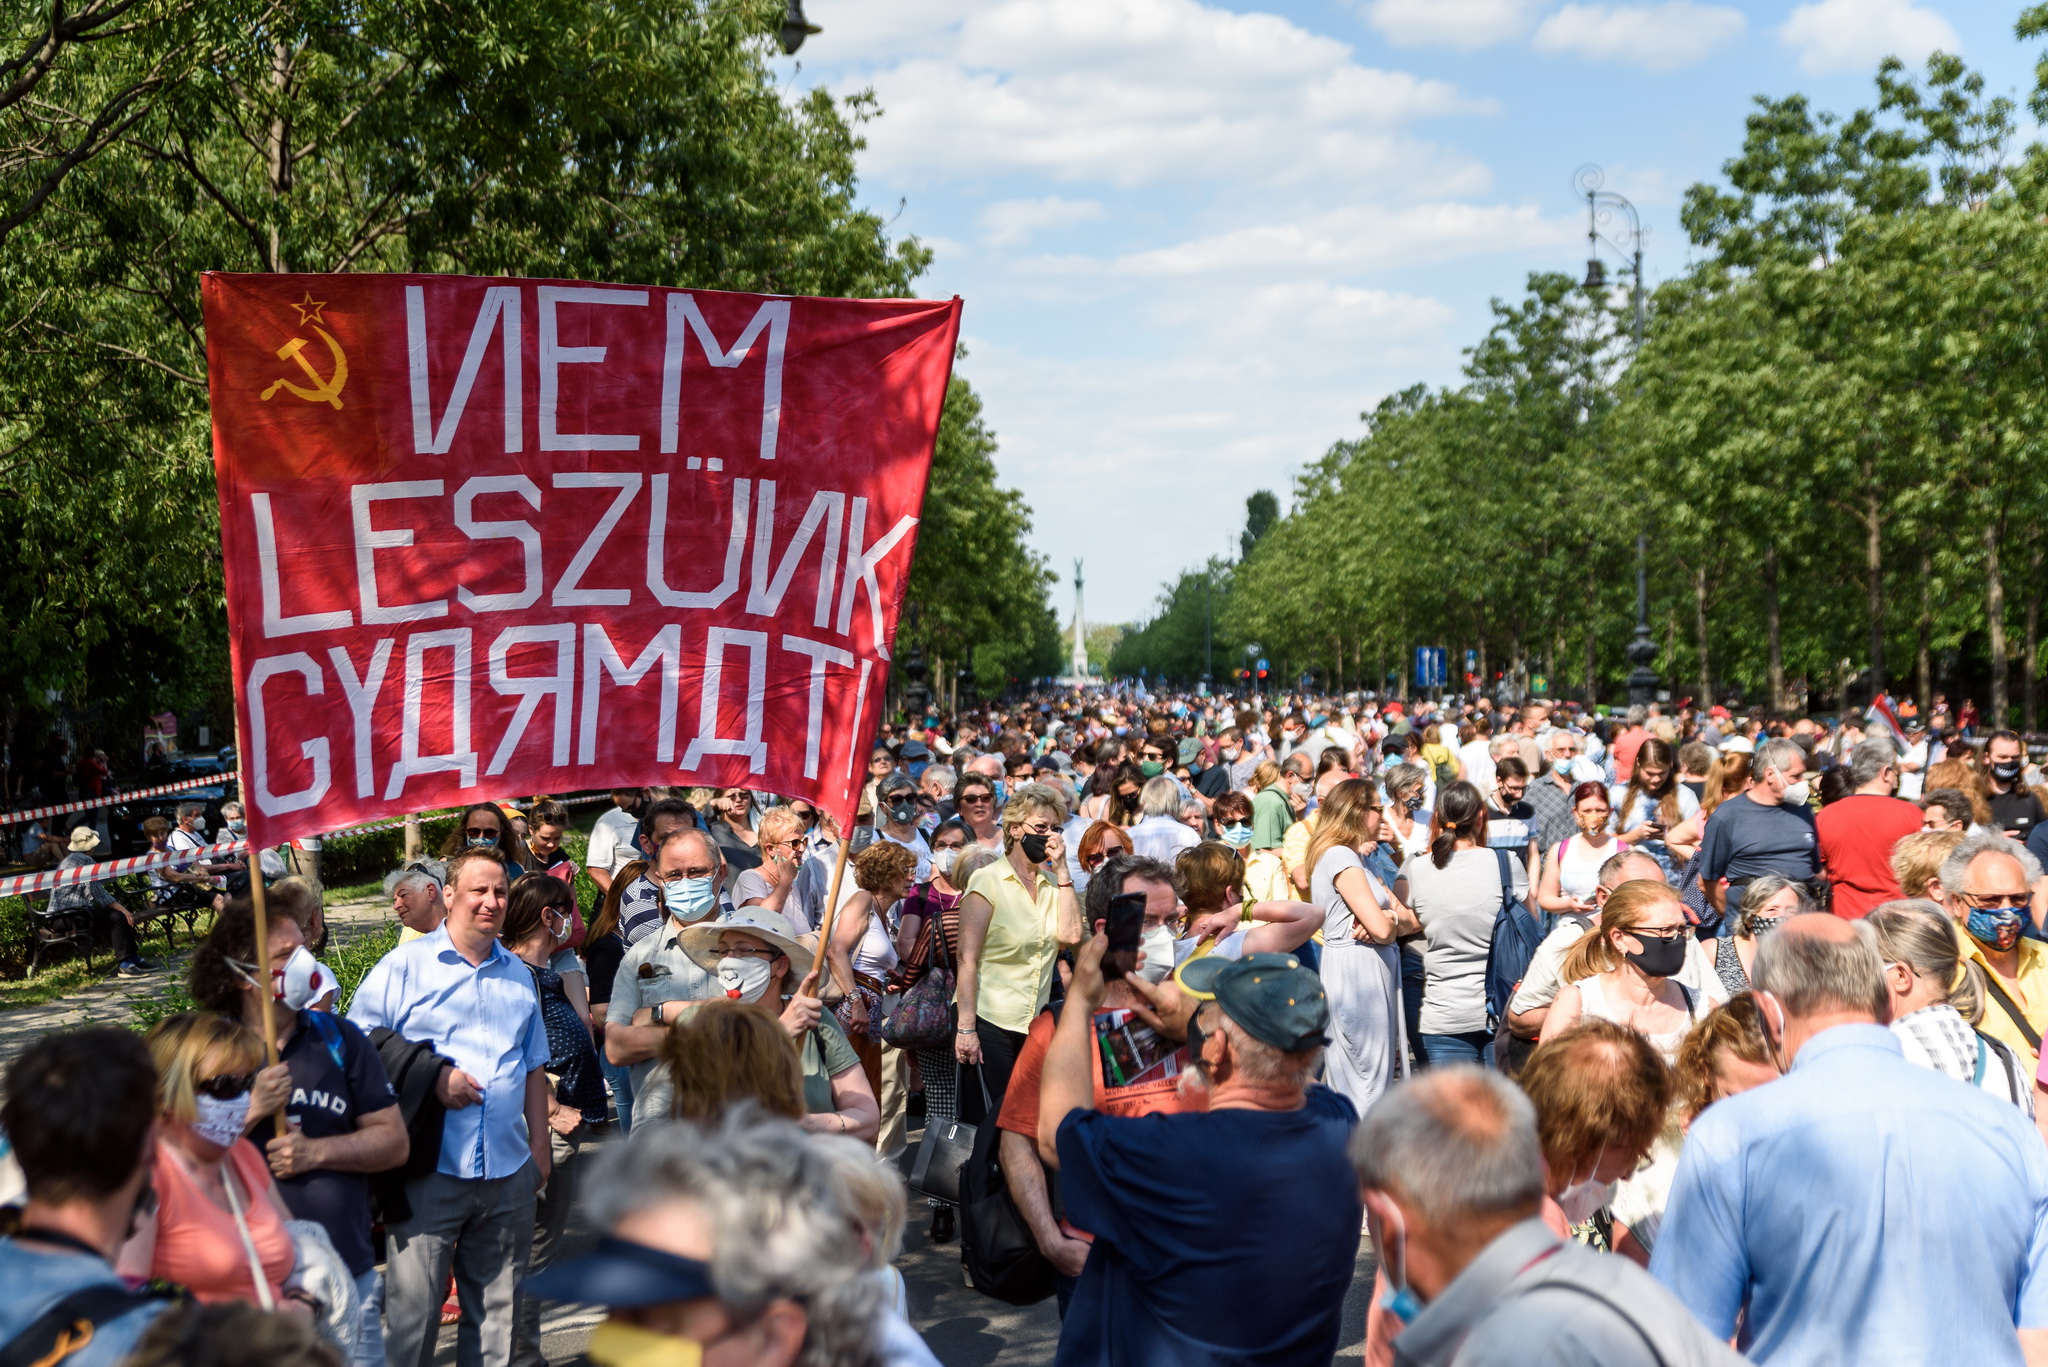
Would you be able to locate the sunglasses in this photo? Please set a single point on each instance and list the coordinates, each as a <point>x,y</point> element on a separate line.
<point>226,1086</point>
<point>1992,901</point>
<point>977,798</point>
<point>481,833</point>
<point>556,908</point>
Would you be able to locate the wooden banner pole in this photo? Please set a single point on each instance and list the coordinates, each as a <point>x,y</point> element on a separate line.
<point>262,925</point>
<point>824,961</point>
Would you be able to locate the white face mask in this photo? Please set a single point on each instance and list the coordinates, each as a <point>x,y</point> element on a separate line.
<point>944,860</point>
<point>743,979</point>
<point>1796,794</point>
<point>220,1122</point>
<point>1158,947</point>
<point>302,980</point>
<point>1582,1199</point>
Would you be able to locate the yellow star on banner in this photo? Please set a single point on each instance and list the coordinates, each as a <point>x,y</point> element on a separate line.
<point>309,308</point>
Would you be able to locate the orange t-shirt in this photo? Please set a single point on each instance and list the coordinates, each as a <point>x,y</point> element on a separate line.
<point>1151,1064</point>
<point>197,1244</point>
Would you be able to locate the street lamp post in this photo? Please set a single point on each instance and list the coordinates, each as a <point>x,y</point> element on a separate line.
<point>1607,210</point>
<point>1602,209</point>
<point>1642,651</point>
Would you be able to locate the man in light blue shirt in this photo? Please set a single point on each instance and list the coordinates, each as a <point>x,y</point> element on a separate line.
<point>475,1001</point>
<point>1859,1209</point>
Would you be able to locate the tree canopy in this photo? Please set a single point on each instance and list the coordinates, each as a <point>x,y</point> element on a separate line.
<point>1830,439</point>
<point>145,141</point>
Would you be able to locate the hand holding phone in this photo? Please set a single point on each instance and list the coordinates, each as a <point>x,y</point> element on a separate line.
<point>1126,929</point>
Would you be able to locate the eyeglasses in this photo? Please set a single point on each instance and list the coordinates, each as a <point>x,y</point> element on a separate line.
<point>480,832</point>
<point>1664,933</point>
<point>680,874</point>
<point>744,952</point>
<point>977,798</point>
<point>1992,901</point>
<point>226,1086</point>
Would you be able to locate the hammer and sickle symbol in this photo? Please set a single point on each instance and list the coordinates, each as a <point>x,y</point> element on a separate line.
<point>325,390</point>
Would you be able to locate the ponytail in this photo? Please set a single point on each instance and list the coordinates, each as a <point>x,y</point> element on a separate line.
<point>1460,813</point>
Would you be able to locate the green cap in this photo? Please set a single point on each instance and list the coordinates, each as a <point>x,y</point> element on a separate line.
<point>1272,996</point>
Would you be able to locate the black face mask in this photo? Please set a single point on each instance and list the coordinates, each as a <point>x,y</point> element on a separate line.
<point>2007,771</point>
<point>903,813</point>
<point>1034,847</point>
<point>1659,958</point>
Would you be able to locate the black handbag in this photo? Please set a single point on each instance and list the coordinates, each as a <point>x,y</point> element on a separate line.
<point>1002,1257</point>
<point>933,1167</point>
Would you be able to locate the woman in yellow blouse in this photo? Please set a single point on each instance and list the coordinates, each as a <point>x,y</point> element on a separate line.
<point>1015,916</point>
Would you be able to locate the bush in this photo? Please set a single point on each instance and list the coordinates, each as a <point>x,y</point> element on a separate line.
<point>351,963</point>
<point>368,857</point>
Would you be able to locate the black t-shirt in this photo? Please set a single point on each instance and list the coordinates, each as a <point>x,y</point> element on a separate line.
<point>336,1077</point>
<point>601,957</point>
<point>1213,782</point>
<point>2018,811</point>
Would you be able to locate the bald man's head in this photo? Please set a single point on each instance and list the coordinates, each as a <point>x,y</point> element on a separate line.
<point>1626,867</point>
<point>1820,965</point>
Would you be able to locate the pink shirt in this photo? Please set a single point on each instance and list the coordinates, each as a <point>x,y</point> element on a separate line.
<point>197,1243</point>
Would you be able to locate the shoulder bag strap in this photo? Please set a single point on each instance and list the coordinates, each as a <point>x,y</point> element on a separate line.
<point>1589,1293</point>
<point>2012,1010</point>
<point>1977,1077</point>
<point>227,1182</point>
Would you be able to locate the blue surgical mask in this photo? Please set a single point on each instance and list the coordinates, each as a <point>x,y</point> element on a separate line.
<point>482,842</point>
<point>1237,836</point>
<point>1002,793</point>
<point>1399,1300</point>
<point>1998,928</point>
<point>691,899</point>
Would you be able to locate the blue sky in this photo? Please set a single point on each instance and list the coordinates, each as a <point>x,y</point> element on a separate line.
<point>1196,239</point>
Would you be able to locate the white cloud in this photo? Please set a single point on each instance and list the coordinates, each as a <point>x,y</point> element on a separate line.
<point>1854,35</point>
<point>1351,238</point>
<point>1014,222</point>
<point>1659,37</point>
<point>1462,24</point>
<point>1144,92</point>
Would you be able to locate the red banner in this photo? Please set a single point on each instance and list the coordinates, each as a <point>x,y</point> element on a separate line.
<point>488,537</point>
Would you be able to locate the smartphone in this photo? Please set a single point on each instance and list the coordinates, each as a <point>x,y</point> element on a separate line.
<point>1126,928</point>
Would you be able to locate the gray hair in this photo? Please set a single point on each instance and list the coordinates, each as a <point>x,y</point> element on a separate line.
<point>1159,797</point>
<point>1775,756</point>
<point>1762,889</point>
<point>1614,872</point>
<point>186,809</point>
<point>409,877</point>
<point>1116,874</point>
<point>1500,747</point>
<point>873,1192</point>
<point>1956,868</point>
<point>690,833</point>
<point>1869,759</point>
<point>1458,1142</point>
<point>943,774</point>
<point>780,1216</point>
<point>1403,776</point>
<point>1919,934</point>
<point>230,810</point>
<point>1810,975</point>
<point>1193,810</point>
<point>972,860</point>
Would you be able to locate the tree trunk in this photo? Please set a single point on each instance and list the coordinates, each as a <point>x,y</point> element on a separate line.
<point>1873,591</point>
<point>1923,657</point>
<point>2032,651</point>
<point>1774,637</point>
<point>1994,620</point>
<point>1699,626</point>
<point>1483,675</point>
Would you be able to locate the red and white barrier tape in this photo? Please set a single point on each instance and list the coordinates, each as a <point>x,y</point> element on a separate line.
<point>29,883</point>
<point>116,868</point>
<point>37,813</point>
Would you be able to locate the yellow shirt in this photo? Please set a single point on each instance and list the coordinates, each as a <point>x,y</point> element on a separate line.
<point>1265,878</point>
<point>2029,993</point>
<point>1015,976</point>
<point>1294,850</point>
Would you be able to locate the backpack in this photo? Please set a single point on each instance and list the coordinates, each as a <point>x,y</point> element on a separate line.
<point>1516,934</point>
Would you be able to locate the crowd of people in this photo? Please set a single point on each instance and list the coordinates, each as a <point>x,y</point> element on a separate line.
<point>1658,1036</point>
